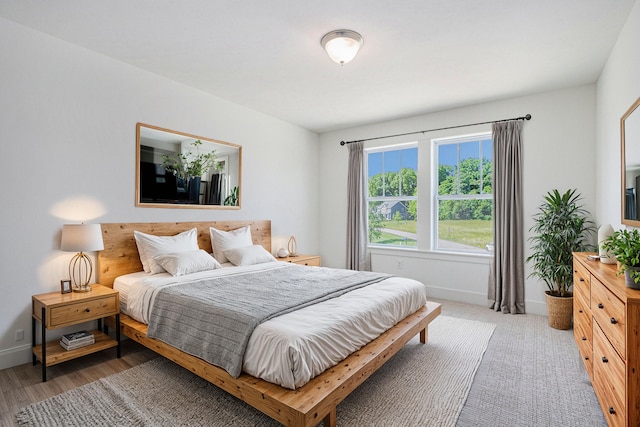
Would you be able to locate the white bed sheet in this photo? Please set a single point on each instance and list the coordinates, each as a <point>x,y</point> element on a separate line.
<point>291,349</point>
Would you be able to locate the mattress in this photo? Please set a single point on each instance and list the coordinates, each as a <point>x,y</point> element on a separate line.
<point>291,349</point>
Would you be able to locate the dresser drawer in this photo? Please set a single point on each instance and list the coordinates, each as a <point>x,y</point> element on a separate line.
<point>581,282</point>
<point>608,311</point>
<point>80,312</point>
<point>585,349</point>
<point>582,302</point>
<point>608,378</point>
<point>312,262</point>
<point>582,332</point>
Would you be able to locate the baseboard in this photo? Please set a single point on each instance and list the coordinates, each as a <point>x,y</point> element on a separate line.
<point>15,356</point>
<point>533,307</point>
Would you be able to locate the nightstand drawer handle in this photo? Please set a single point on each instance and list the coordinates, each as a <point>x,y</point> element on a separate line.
<point>580,311</point>
<point>581,279</point>
<point>604,359</point>
<point>87,310</point>
<point>586,358</point>
<point>584,338</point>
<point>611,410</point>
<point>613,320</point>
<point>600,305</point>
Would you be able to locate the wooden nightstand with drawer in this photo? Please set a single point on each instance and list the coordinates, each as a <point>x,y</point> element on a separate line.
<point>310,260</point>
<point>55,310</point>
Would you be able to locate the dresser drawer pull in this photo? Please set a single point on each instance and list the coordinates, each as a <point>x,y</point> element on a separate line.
<point>613,320</point>
<point>87,310</point>
<point>581,279</point>
<point>611,410</point>
<point>586,358</point>
<point>604,359</point>
<point>584,338</point>
<point>600,305</point>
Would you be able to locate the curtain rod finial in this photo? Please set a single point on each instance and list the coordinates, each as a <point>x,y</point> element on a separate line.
<point>342,142</point>
<point>528,117</point>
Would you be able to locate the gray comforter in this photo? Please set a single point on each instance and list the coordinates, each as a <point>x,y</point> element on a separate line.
<point>214,318</point>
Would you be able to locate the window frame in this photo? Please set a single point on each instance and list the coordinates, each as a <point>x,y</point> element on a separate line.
<point>399,198</point>
<point>436,197</point>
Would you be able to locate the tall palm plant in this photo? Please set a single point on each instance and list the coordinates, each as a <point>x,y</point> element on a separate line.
<point>562,227</point>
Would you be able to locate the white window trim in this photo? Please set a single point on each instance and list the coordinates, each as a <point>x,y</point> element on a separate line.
<point>395,147</point>
<point>434,197</point>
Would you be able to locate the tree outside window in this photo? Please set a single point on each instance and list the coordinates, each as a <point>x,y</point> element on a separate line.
<point>392,195</point>
<point>464,194</point>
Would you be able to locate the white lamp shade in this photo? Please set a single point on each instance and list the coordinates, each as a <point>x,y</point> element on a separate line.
<point>342,45</point>
<point>81,238</point>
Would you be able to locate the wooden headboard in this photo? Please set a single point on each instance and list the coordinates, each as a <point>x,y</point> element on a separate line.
<point>120,254</point>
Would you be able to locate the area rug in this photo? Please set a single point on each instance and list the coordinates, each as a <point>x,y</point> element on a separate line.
<point>422,385</point>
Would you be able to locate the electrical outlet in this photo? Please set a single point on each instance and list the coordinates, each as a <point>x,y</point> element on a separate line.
<point>19,335</point>
<point>399,264</point>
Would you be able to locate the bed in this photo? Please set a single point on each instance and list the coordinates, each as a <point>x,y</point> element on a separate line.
<point>306,405</point>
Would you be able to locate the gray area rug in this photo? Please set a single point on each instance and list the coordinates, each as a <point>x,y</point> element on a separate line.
<point>531,375</point>
<point>422,385</point>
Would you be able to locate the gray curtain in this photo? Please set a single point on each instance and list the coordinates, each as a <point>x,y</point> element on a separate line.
<point>506,277</point>
<point>357,252</point>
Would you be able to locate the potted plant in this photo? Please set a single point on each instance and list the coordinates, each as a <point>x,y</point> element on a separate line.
<point>625,246</point>
<point>562,227</point>
<point>190,167</point>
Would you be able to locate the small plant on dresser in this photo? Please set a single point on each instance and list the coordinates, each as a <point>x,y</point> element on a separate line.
<point>625,246</point>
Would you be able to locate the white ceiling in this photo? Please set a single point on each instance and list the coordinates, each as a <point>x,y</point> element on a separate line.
<point>418,56</point>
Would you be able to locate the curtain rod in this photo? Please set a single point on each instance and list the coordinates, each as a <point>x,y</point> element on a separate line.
<point>527,117</point>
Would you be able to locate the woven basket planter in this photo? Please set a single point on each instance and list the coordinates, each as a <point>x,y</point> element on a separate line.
<point>560,311</point>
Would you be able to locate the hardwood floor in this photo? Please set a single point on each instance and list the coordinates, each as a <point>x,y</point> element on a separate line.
<point>22,385</point>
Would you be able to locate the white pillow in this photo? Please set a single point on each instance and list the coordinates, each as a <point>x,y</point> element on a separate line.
<point>223,240</point>
<point>181,263</point>
<point>248,255</point>
<point>150,246</point>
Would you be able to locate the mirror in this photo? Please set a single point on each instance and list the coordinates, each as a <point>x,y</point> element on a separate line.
<point>630,148</point>
<point>179,170</point>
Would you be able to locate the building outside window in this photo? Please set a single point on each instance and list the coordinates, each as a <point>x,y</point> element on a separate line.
<point>463,194</point>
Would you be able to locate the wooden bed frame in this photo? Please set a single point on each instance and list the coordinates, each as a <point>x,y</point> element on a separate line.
<point>317,400</point>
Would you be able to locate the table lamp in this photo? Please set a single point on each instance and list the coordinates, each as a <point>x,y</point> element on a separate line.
<point>81,238</point>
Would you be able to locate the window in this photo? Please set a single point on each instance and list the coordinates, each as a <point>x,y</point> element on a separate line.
<point>392,176</point>
<point>463,219</point>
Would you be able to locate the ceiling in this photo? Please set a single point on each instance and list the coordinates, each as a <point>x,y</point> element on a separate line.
<point>418,56</point>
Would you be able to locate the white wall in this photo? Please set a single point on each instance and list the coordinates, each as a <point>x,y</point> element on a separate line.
<point>618,88</point>
<point>67,142</point>
<point>67,145</point>
<point>559,152</point>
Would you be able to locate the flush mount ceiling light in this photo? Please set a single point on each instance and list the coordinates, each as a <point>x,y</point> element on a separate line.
<point>342,45</point>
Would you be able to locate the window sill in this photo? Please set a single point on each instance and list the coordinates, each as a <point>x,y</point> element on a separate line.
<point>479,258</point>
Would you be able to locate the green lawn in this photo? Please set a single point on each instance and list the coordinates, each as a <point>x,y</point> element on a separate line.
<point>392,239</point>
<point>476,233</point>
<point>408,226</point>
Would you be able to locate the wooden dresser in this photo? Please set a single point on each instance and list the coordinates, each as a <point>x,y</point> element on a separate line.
<point>606,315</point>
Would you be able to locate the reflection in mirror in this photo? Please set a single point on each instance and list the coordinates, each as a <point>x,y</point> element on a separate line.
<point>630,148</point>
<point>176,169</point>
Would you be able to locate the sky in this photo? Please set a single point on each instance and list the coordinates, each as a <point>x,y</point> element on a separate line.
<point>394,160</point>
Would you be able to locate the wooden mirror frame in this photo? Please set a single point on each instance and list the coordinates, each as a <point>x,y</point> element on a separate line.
<point>227,151</point>
<point>630,143</point>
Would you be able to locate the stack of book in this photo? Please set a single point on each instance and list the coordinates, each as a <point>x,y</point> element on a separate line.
<point>77,340</point>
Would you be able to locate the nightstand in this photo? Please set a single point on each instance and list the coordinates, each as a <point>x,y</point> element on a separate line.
<point>55,310</point>
<point>311,260</point>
